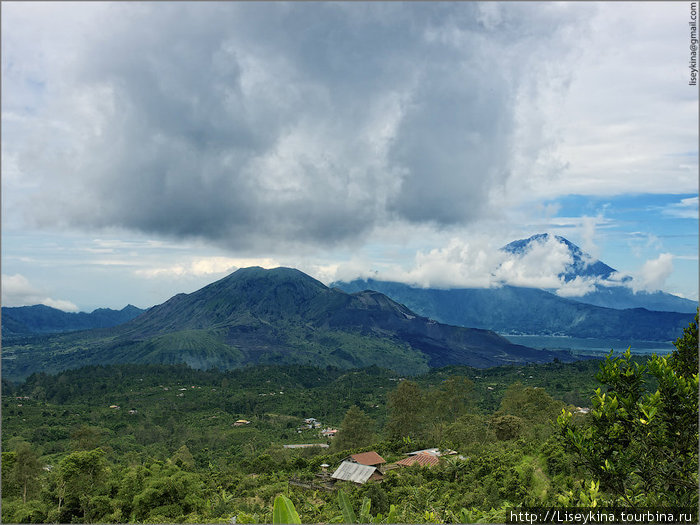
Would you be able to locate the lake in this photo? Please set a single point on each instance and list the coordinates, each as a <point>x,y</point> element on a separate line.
<point>579,345</point>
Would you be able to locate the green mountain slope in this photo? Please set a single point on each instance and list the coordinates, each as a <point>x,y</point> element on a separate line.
<point>279,316</point>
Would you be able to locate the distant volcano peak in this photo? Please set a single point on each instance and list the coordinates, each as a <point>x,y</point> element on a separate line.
<point>583,265</point>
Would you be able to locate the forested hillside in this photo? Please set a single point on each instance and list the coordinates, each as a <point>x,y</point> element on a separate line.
<point>164,443</point>
<point>278,316</point>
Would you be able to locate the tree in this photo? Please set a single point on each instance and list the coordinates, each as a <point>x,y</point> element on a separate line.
<point>469,431</point>
<point>168,492</point>
<point>26,469</point>
<point>453,398</point>
<point>86,438</point>
<point>378,496</point>
<point>355,431</point>
<point>532,404</point>
<point>445,404</point>
<point>183,458</point>
<point>684,359</point>
<point>506,427</point>
<point>641,446</point>
<point>81,475</point>
<point>406,414</point>
<point>535,409</point>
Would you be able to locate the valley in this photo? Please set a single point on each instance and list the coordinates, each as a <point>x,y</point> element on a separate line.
<point>209,407</point>
<point>157,443</point>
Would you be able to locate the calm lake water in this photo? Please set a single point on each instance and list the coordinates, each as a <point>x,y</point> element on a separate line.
<point>591,346</point>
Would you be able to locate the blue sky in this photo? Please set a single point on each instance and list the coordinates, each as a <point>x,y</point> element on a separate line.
<point>150,148</point>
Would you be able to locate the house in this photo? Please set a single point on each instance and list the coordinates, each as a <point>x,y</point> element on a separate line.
<point>370,458</point>
<point>423,459</point>
<point>357,473</point>
<point>431,451</point>
<point>241,422</point>
<point>329,432</point>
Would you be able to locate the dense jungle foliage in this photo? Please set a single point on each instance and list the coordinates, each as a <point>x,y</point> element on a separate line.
<point>156,443</point>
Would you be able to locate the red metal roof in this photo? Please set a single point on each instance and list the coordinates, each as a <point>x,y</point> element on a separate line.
<point>423,459</point>
<point>368,458</point>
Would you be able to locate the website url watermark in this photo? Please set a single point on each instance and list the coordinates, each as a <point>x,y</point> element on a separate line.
<point>587,516</point>
<point>693,44</point>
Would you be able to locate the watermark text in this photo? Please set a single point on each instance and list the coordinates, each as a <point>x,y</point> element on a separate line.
<point>590,516</point>
<point>693,44</point>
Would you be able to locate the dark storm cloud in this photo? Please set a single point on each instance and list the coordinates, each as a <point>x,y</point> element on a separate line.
<point>248,122</point>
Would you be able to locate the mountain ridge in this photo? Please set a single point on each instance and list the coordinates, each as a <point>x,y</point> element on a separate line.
<point>610,288</point>
<point>608,311</point>
<point>529,311</point>
<point>23,321</point>
<point>583,264</point>
<point>278,316</point>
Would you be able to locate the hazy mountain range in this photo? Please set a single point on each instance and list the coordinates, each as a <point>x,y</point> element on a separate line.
<point>512,310</point>
<point>22,321</point>
<point>283,316</point>
<point>275,316</point>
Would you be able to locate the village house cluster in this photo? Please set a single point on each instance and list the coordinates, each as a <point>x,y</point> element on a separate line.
<point>370,466</point>
<point>311,423</point>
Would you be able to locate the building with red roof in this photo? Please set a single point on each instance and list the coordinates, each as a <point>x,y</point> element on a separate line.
<point>370,458</point>
<point>423,459</point>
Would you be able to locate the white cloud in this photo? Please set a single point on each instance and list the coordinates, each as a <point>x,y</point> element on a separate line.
<point>479,263</point>
<point>205,266</point>
<point>473,263</point>
<point>578,287</point>
<point>685,209</point>
<point>538,267</point>
<point>620,124</point>
<point>653,274</point>
<point>18,291</point>
<point>639,242</point>
<point>461,263</point>
<point>588,233</point>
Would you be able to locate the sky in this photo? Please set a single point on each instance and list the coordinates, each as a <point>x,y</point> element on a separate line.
<point>150,148</point>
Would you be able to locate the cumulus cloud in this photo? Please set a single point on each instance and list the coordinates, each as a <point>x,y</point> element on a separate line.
<point>205,266</point>
<point>18,291</point>
<point>579,286</point>
<point>478,263</point>
<point>546,263</point>
<point>181,121</point>
<point>540,266</point>
<point>461,263</point>
<point>653,274</point>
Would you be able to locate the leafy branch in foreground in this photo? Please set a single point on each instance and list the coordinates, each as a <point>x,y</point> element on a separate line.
<point>643,446</point>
